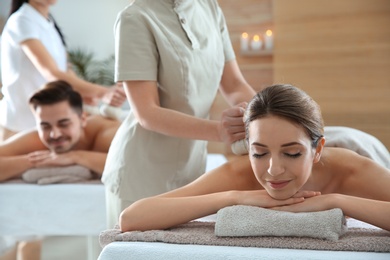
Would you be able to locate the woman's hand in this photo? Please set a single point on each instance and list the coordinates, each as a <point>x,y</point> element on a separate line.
<point>310,204</point>
<point>115,96</point>
<point>262,199</point>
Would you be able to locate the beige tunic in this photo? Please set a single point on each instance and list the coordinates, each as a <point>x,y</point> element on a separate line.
<point>183,45</point>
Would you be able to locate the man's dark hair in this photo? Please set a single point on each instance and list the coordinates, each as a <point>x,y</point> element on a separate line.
<point>55,92</point>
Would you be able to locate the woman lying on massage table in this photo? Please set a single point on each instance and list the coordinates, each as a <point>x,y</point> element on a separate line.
<point>288,169</point>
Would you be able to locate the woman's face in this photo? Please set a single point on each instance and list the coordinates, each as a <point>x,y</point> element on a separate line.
<point>281,155</point>
<point>42,2</point>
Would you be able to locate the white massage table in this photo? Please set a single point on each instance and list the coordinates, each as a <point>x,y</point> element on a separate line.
<point>59,209</point>
<point>172,251</point>
<point>163,251</point>
<point>30,210</point>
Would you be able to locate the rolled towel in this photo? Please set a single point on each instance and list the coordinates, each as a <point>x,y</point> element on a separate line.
<point>65,174</point>
<point>111,112</point>
<point>60,179</point>
<point>92,110</point>
<point>239,147</point>
<point>241,220</point>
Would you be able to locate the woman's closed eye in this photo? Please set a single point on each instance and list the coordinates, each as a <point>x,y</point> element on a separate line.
<point>258,155</point>
<point>293,155</point>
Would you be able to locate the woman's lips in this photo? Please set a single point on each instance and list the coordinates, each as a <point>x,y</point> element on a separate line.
<point>278,184</point>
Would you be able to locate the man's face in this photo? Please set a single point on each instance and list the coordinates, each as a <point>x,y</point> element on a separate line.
<point>59,126</point>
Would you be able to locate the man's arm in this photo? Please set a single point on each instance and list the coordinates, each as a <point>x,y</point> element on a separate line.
<point>94,161</point>
<point>13,166</point>
<point>14,154</point>
<point>89,159</point>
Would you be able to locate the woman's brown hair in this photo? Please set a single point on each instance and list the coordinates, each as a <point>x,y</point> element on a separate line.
<point>288,102</point>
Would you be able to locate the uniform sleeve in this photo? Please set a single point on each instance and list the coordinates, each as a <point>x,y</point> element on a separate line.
<point>21,28</point>
<point>227,45</point>
<point>135,48</point>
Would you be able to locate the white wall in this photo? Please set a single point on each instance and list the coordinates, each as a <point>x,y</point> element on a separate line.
<point>89,23</point>
<point>86,24</point>
<point>4,8</point>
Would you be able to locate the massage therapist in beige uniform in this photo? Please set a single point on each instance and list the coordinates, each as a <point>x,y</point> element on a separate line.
<point>172,57</point>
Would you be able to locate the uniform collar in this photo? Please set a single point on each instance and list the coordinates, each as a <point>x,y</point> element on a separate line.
<point>177,3</point>
<point>37,16</point>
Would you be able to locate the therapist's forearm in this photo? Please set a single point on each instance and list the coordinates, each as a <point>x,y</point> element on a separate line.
<point>85,88</point>
<point>243,93</point>
<point>173,123</point>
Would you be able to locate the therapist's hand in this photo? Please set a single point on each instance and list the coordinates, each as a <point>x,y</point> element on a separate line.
<point>115,96</point>
<point>232,127</point>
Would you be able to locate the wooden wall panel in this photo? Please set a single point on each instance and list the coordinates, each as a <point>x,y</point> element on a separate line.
<point>339,52</point>
<point>253,17</point>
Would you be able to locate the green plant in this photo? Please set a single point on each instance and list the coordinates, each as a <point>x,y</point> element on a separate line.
<point>87,67</point>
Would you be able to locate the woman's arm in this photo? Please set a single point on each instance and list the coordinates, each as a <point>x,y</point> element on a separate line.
<point>144,101</point>
<point>45,64</point>
<point>236,91</point>
<point>230,184</point>
<point>233,86</point>
<point>374,212</point>
<point>361,189</point>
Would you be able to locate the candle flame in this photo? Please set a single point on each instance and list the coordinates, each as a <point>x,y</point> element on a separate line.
<point>256,38</point>
<point>268,32</point>
<point>244,35</point>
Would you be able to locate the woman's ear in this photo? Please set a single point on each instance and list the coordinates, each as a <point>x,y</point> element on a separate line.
<point>319,149</point>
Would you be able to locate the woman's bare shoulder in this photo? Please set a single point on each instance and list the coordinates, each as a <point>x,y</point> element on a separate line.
<point>355,174</point>
<point>339,158</point>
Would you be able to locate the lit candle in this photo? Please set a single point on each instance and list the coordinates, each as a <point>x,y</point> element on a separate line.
<point>268,40</point>
<point>244,41</point>
<point>256,43</point>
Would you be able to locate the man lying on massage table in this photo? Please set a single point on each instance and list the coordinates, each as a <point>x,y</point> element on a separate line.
<point>64,135</point>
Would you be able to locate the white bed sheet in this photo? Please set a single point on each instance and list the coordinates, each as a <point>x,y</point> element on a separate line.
<point>58,209</point>
<point>163,251</point>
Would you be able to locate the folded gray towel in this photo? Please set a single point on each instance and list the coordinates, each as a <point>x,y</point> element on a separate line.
<point>240,220</point>
<point>65,174</point>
